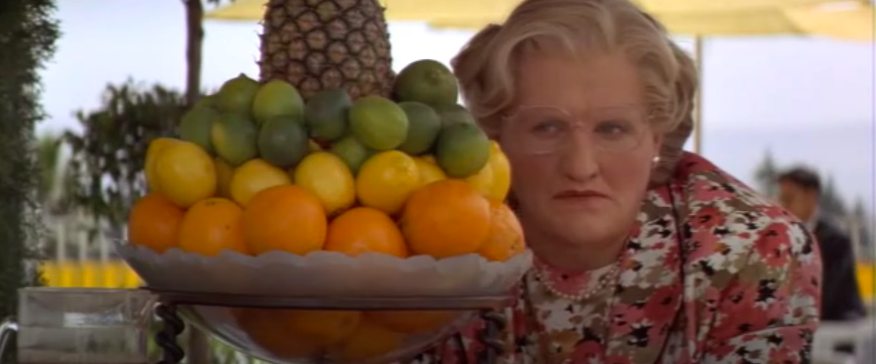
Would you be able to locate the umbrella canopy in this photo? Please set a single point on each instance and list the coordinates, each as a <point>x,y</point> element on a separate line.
<point>427,10</point>
<point>849,23</point>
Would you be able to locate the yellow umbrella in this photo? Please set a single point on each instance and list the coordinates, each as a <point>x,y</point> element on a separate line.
<point>426,10</point>
<point>850,23</point>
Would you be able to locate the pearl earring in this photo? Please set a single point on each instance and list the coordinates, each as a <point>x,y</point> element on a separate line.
<point>656,159</point>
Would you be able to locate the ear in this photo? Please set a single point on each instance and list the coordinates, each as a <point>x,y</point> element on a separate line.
<point>658,143</point>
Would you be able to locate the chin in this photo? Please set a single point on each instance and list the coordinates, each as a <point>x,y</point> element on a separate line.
<point>585,229</point>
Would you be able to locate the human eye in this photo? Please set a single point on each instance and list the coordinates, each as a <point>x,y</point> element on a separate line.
<point>614,128</point>
<point>547,126</point>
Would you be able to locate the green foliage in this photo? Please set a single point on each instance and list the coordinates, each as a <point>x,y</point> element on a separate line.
<point>107,157</point>
<point>28,32</point>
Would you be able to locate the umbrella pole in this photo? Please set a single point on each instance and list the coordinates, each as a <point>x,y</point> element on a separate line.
<point>698,97</point>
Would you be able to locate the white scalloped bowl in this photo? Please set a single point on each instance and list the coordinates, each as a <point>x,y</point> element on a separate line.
<point>319,274</point>
<point>272,341</point>
<point>323,273</point>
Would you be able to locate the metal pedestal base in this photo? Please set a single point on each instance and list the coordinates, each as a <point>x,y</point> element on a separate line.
<point>490,336</point>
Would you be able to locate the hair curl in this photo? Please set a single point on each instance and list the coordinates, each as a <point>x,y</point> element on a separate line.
<point>486,65</point>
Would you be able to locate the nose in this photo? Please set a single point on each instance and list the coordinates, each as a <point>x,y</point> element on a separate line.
<point>578,161</point>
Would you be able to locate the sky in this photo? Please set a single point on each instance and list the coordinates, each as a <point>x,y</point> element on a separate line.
<point>805,100</point>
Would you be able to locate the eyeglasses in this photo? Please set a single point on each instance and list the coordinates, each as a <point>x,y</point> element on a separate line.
<point>548,129</point>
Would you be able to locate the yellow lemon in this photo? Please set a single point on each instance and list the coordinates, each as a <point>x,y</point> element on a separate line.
<point>429,170</point>
<point>155,146</point>
<point>185,173</point>
<point>386,180</point>
<point>224,171</point>
<point>329,178</point>
<point>254,176</point>
<point>501,169</point>
<point>482,181</point>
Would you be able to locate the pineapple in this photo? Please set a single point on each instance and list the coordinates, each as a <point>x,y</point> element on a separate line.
<point>322,44</point>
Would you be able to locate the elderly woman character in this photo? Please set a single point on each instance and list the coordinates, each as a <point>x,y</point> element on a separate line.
<point>644,253</point>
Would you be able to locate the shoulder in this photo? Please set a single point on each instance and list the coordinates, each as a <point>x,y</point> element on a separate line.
<point>827,227</point>
<point>755,266</point>
<point>730,228</point>
<point>833,242</point>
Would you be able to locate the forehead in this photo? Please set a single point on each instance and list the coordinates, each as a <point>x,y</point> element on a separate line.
<point>554,77</point>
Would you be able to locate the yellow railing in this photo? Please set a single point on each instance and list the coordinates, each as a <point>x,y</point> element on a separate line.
<point>866,282</point>
<point>91,274</point>
<point>117,274</point>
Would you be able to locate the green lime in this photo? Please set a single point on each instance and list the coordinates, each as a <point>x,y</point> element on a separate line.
<point>326,114</point>
<point>462,150</point>
<point>234,138</point>
<point>283,141</point>
<point>277,98</point>
<point>378,123</point>
<point>427,81</point>
<point>195,126</point>
<point>236,95</point>
<point>351,151</point>
<point>423,127</point>
<point>455,114</point>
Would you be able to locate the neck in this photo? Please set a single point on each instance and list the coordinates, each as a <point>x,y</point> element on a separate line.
<point>574,257</point>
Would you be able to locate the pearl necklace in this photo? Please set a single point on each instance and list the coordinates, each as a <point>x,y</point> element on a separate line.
<point>604,280</point>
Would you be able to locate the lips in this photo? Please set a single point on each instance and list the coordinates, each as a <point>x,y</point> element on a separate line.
<point>579,195</point>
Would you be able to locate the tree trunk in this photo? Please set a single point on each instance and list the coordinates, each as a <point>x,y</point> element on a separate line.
<point>199,349</point>
<point>194,44</point>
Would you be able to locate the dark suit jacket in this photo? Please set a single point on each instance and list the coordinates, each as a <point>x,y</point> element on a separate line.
<point>840,295</point>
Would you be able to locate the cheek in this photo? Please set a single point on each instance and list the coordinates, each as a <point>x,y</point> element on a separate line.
<point>627,176</point>
<point>527,171</point>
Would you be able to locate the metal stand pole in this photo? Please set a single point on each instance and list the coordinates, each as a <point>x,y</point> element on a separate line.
<point>166,339</point>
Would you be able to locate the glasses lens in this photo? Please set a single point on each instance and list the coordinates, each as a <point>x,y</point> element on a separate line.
<point>618,129</point>
<point>540,129</point>
<point>547,129</point>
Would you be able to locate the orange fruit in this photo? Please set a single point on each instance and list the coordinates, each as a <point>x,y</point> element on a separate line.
<point>154,222</point>
<point>368,341</point>
<point>267,329</point>
<point>285,217</point>
<point>212,225</point>
<point>365,229</point>
<point>411,322</point>
<point>446,218</point>
<point>324,327</point>
<point>505,238</point>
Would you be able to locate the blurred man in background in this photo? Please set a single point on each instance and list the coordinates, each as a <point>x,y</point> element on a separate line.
<point>799,193</point>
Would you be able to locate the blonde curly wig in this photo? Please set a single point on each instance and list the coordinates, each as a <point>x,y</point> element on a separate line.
<point>486,66</point>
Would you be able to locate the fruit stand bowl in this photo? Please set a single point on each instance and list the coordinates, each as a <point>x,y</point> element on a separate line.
<point>323,307</point>
<point>324,274</point>
<point>317,330</point>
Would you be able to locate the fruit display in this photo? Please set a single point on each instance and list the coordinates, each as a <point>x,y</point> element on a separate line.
<point>257,169</point>
<point>264,193</point>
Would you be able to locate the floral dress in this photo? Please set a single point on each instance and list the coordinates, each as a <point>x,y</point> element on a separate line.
<point>712,273</point>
